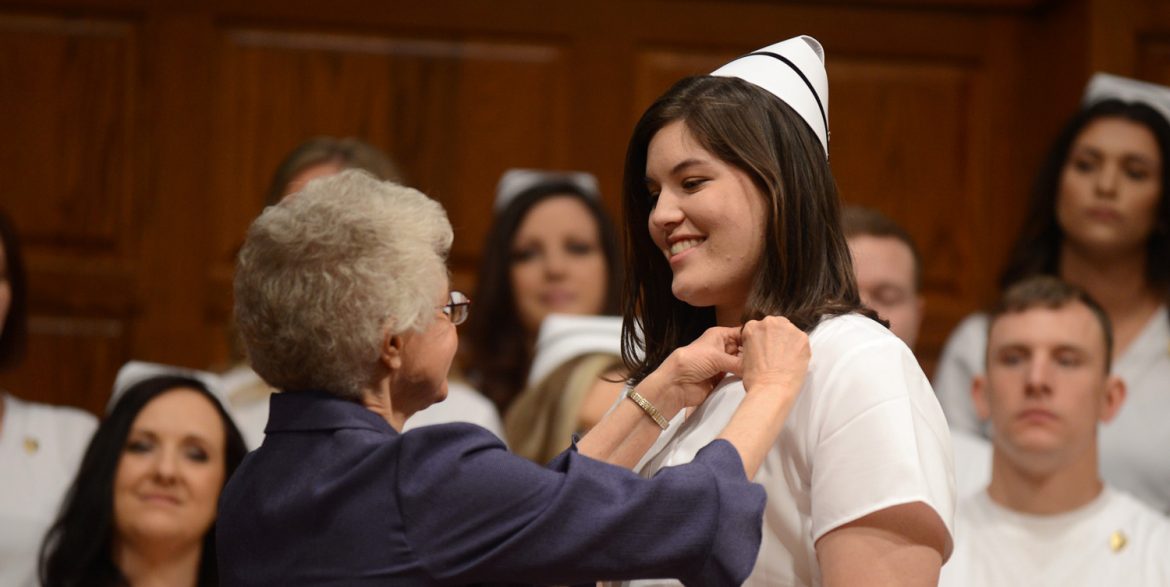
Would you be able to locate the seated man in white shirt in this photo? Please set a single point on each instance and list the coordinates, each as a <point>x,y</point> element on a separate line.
<point>889,278</point>
<point>1047,518</point>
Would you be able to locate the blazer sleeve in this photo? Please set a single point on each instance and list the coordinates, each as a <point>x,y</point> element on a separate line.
<point>474,512</point>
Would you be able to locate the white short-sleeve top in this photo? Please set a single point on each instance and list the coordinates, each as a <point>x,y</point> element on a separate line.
<point>1112,540</point>
<point>865,434</point>
<point>40,450</point>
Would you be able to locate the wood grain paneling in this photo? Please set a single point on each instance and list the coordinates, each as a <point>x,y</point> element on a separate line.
<point>69,136</point>
<point>71,360</point>
<point>1154,58</point>
<point>455,114</point>
<point>71,158</point>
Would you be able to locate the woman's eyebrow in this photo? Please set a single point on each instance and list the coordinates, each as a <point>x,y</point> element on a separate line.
<point>679,167</point>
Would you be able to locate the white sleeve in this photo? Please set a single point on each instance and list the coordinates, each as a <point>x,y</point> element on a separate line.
<point>879,439</point>
<point>962,359</point>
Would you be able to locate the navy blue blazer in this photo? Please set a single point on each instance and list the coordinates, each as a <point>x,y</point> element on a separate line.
<point>335,496</point>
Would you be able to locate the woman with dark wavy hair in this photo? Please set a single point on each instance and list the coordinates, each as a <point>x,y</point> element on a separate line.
<point>143,506</point>
<point>1099,218</point>
<point>732,215</point>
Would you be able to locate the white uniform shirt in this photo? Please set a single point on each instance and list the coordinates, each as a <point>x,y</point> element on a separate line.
<point>1114,540</point>
<point>1134,447</point>
<point>40,450</point>
<point>865,434</point>
<point>972,462</point>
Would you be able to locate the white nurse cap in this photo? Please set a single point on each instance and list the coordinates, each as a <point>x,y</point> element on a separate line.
<point>794,71</point>
<point>1104,86</point>
<point>135,372</point>
<point>516,181</point>
<point>564,337</point>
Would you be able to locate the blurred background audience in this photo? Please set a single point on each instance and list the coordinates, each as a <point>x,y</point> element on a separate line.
<point>889,278</point>
<point>551,248</point>
<point>577,373</point>
<point>1099,219</point>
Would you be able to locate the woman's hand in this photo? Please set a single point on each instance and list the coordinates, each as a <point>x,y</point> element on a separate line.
<point>692,371</point>
<point>774,358</point>
<point>774,353</point>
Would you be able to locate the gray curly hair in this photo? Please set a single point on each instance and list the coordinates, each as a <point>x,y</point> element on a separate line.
<point>325,274</point>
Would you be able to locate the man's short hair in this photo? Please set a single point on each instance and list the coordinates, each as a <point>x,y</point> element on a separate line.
<point>1046,291</point>
<point>862,221</point>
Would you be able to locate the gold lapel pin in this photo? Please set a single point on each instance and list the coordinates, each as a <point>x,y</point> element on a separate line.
<point>1117,541</point>
<point>31,446</point>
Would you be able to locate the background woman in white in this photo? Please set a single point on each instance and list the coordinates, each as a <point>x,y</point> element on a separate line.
<point>732,214</point>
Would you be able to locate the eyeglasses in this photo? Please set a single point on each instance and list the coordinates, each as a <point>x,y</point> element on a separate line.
<point>457,308</point>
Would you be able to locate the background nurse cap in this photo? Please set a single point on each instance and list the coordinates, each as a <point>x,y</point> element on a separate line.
<point>516,181</point>
<point>564,337</point>
<point>136,371</point>
<point>1104,86</point>
<point>794,71</point>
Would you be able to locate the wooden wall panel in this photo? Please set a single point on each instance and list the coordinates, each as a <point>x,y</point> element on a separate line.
<point>71,159</point>
<point>69,153</point>
<point>903,146</point>
<point>1153,62</point>
<point>454,114</point>
<point>71,360</point>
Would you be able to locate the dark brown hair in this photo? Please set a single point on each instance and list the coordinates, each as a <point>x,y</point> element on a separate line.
<point>863,221</point>
<point>1046,291</point>
<point>14,335</point>
<point>1037,248</point>
<point>349,153</point>
<point>497,350</point>
<point>806,272</point>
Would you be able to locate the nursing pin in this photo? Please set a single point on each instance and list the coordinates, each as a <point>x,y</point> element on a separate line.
<point>1117,541</point>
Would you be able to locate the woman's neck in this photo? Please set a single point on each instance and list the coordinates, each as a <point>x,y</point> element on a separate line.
<point>1119,284</point>
<point>159,564</point>
<point>378,400</point>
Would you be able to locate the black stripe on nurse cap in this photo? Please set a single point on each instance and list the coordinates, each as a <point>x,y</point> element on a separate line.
<point>794,71</point>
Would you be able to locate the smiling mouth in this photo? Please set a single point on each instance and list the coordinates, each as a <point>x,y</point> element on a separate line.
<point>157,498</point>
<point>684,245</point>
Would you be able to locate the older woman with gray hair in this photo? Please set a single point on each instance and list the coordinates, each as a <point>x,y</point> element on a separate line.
<point>343,303</point>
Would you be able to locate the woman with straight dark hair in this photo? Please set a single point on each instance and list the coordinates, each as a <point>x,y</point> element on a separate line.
<point>1099,218</point>
<point>732,215</point>
<point>142,508</point>
<point>533,266</point>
